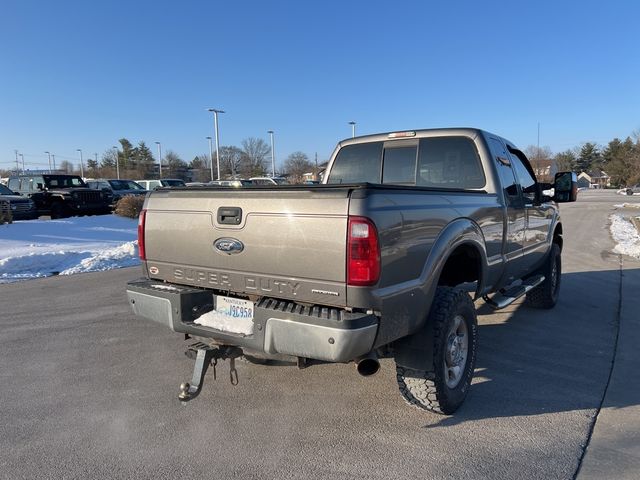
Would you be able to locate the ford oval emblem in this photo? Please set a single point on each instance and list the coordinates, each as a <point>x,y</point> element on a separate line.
<point>230,246</point>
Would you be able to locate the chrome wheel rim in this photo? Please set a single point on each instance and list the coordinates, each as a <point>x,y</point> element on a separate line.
<point>457,349</point>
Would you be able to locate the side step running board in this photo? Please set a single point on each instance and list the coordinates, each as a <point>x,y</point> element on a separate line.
<point>504,298</point>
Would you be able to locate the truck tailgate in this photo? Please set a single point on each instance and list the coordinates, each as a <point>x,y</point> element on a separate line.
<point>279,242</point>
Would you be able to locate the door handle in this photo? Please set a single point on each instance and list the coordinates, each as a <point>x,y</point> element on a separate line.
<point>229,215</point>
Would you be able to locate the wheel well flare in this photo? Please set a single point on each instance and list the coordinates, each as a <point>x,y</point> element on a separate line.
<point>463,265</point>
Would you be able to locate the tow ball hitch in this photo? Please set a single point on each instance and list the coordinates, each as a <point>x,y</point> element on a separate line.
<point>206,356</point>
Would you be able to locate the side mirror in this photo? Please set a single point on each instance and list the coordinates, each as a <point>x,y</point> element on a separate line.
<point>40,186</point>
<point>565,187</point>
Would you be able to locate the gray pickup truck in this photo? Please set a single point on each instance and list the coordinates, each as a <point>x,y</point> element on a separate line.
<point>378,261</point>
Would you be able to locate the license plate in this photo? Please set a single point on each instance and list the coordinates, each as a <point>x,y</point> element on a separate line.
<point>234,308</point>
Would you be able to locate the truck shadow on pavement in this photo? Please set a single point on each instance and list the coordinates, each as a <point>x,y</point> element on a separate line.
<point>532,362</point>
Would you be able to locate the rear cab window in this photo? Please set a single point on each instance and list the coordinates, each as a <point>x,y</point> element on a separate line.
<point>437,162</point>
<point>357,164</point>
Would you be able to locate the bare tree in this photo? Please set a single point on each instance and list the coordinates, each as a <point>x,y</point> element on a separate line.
<point>255,154</point>
<point>541,159</point>
<point>176,167</point>
<point>66,166</point>
<point>230,160</point>
<point>296,165</point>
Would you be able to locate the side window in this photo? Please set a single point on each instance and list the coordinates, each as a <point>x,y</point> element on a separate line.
<point>14,184</point>
<point>449,162</point>
<point>357,163</point>
<point>527,182</point>
<point>399,166</point>
<point>505,172</point>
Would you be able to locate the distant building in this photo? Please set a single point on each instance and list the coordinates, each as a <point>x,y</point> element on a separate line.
<point>594,179</point>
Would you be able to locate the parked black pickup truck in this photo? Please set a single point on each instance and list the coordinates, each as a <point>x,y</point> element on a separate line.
<point>60,195</point>
<point>375,262</point>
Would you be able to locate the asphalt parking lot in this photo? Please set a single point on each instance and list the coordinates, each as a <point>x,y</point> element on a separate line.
<point>88,390</point>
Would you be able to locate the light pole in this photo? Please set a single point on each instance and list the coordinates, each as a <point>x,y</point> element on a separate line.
<point>49,153</point>
<point>81,165</point>
<point>160,157</point>
<point>117,163</point>
<point>215,127</point>
<point>17,163</point>
<point>53,159</point>
<point>211,157</point>
<point>353,129</point>
<point>273,155</point>
<point>22,157</point>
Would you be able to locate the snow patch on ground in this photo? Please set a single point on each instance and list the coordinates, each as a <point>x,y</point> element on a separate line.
<point>627,205</point>
<point>41,248</point>
<point>625,235</point>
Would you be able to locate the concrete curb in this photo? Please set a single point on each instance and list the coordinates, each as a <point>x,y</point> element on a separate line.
<point>614,449</point>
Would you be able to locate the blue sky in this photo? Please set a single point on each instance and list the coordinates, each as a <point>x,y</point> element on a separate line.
<point>84,74</point>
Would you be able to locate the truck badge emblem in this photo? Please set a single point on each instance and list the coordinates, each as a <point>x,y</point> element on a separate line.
<point>229,246</point>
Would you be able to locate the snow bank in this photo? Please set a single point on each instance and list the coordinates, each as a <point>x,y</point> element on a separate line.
<point>625,235</point>
<point>41,248</point>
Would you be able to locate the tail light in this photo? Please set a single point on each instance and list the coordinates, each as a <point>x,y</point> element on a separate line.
<point>363,255</point>
<point>141,221</point>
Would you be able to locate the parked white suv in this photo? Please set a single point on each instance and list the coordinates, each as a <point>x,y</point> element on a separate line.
<point>163,182</point>
<point>269,181</point>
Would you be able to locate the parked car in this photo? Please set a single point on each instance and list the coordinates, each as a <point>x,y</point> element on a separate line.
<point>117,188</point>
<point>60,195</point>
<point>269,181</point>
<point>376,262</point>
<point>163,182</point>
<point>22,208</point>
<point>231,183</point>
<point>633,190</point>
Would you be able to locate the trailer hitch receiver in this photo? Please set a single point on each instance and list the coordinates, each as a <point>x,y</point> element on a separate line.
<point>206,356</point>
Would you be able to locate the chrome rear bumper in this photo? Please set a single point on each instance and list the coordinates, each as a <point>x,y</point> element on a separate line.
<point>280,327</point>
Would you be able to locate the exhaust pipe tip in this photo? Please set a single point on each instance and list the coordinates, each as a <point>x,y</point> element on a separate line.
<point>368,365</point>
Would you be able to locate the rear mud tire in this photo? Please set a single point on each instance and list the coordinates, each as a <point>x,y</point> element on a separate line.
<point>58,210</point>
<point>546,294</point>
<point>455,341</point>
